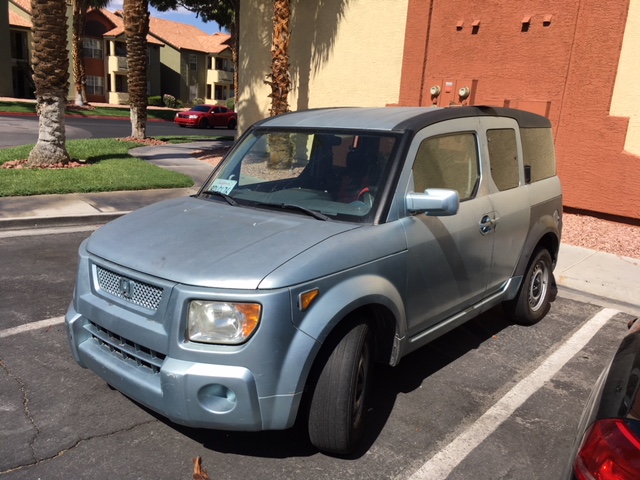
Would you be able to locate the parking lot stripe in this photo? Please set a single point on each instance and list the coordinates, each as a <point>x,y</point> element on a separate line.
<point>31,326</point>
<point>443,462</point>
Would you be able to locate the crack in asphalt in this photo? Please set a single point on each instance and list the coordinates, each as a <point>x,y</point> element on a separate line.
<point>25,406</point>
<point>74,446</point>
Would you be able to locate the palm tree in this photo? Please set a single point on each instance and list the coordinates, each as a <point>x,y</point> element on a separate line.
<point>136,28</point>
<point>80,9</point>
<point>279,78</point>
<point>280,146</point>
<point>50,62</point>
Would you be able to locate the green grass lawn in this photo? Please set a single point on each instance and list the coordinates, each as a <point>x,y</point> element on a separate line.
<point>28,107</point>
<point>110,168</point>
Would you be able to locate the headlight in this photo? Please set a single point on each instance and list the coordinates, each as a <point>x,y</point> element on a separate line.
<point>193,116</point>
<point>222,322</point>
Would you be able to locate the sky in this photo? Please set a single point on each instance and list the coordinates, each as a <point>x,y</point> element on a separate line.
<point>181,15</point>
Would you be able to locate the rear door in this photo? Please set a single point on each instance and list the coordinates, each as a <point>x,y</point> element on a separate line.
<point>511,212</point>
<point>449,256</point>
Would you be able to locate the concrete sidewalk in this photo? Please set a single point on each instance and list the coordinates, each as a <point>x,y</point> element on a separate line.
<point>602,277</point>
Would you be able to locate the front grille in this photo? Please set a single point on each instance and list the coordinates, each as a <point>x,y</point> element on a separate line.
<point>125,349</point>
<point>133,291</point>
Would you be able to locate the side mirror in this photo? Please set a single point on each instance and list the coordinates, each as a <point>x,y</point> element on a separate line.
<point>434,202</point>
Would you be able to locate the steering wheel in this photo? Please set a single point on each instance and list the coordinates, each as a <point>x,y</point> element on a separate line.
<point>366,196</point>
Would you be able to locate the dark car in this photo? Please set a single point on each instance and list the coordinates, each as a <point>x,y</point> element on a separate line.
<point>207,116</point>
<point>608,442</point>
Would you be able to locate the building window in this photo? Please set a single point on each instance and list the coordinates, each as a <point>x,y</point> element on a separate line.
<point>208,91</point>
<point>209,63</point>
<point>92,47</point>
<point>193,61</point>
<point>220,92</point>
<point>121,84</point>
<point>121,49</point>
<point>224,64</point>
<point>95,86</point>
<point>19,48</point>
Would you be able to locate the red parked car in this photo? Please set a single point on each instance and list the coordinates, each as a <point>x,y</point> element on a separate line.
<point>207,116</point>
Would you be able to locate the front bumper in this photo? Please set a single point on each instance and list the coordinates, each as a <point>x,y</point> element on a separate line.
<point>249,387</point>
<point>187,122</point>
<point>188,393</point>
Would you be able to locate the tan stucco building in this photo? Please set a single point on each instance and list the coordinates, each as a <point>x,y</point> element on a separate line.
<point>345,53</point>
<point>574,62</point>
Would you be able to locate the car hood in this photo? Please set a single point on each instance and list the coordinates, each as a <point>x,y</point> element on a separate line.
<point>208,243</point>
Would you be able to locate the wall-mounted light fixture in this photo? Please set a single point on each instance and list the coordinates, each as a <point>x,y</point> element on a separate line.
<point>475,26</point>
<point>459,25</point>
<point>546,21</point>
<point>526,23</point>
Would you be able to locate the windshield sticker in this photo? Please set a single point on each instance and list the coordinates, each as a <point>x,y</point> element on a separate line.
<point>221,185</point>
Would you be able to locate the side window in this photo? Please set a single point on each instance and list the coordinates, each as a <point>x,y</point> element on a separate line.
<point>503,157</point>
<point>448,161</point>
<point>538,152</point>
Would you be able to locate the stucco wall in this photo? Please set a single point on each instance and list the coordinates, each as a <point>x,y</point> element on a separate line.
<point>566,57</point>
<point>626,91</point>
<point>343,53</point>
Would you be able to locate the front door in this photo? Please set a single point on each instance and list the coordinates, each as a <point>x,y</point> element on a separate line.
<point>448,256</point>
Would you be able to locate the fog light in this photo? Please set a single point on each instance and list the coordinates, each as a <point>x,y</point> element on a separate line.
<point>217,398</point>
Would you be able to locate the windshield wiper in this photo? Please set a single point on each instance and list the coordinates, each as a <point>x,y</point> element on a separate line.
<point>229,199</point>
<point>291,206</point>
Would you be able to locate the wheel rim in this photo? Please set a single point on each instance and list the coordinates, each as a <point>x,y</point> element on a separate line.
<point>538,286</point>
<point>362,380</point>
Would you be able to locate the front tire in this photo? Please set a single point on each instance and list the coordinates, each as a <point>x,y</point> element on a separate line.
<point>533,300</point>
<point>338,406</point>
<point>204,123</point>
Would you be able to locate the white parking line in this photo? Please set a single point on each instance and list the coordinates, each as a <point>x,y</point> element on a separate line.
<point>31,326</point>
<point>443,463</point>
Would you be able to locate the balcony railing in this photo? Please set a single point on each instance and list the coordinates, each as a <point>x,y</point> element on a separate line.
<point>118,64</point>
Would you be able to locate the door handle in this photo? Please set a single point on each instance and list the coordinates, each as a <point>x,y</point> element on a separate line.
<point>486,225</point>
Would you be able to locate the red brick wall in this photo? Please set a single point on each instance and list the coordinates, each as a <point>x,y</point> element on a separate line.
<point>568,63</point>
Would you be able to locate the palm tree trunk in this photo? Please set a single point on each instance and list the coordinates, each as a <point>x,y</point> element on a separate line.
<point>280,146</point>
<point>136,27</point>
<point>51,77</point>
<point>235,47</point>
<point>280,81</point>
<point>79,18</point>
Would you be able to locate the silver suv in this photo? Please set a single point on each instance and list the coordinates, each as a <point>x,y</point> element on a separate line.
<point>326,240</point>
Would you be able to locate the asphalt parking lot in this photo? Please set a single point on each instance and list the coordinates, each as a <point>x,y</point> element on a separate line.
<point>489,400</point>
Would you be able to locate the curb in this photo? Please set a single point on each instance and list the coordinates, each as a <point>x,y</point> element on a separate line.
<point>72,115</point>
<point>48,222</point>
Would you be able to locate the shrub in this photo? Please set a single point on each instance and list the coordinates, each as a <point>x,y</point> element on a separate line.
<point>198,101</point>
<point>155,101</point>
<point>231,103</point>
<point>169,101</point>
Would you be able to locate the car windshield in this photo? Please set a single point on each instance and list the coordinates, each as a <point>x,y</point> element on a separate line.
<point>200,108</point>
<point>336,174</point>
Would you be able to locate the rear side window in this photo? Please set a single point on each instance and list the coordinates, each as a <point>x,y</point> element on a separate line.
<point>538,152</point>
<point>503,157</point>
<point>448,161</point>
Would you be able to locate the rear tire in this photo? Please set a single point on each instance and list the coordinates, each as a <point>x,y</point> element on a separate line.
<point>533,300</point>
<point>338,405</point>
<point>232,125</point>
